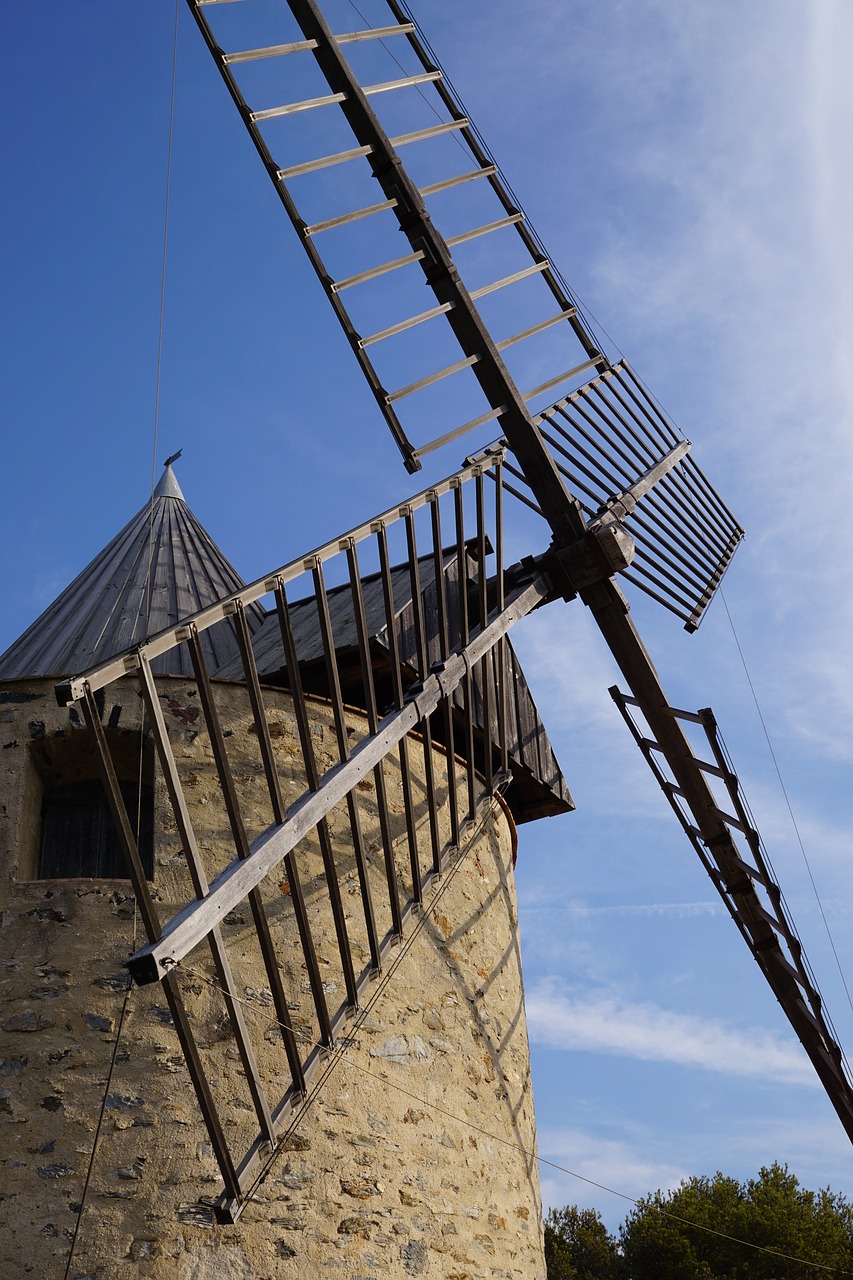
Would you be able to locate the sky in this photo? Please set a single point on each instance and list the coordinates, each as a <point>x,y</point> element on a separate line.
<point>687,168</point>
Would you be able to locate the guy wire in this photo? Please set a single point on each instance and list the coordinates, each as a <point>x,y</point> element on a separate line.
<point>145,606</point>
<point>787,801</point>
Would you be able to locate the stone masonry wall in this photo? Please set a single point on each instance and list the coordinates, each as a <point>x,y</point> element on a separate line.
<point>405,1161</point>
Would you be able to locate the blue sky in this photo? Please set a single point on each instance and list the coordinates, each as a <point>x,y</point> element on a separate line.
<point>687,167</point>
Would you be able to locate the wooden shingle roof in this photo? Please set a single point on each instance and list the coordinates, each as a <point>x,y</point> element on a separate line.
<point>115,602</point>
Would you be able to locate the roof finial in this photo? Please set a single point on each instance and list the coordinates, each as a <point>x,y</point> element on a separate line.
<point>168,486</point>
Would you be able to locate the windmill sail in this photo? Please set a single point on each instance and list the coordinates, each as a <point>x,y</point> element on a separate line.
<point>719,825</point>
<point>466,708</point>
<point>504,345</point>
<point>452,683</point>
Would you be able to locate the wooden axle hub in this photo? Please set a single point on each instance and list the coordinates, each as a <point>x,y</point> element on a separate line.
<point>600,553</point>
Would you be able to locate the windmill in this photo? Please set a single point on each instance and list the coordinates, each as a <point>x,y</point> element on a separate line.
<point>587,448</point>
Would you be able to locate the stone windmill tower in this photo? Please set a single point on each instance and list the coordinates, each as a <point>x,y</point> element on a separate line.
<point>408,1148</point>
<point>311,782</point>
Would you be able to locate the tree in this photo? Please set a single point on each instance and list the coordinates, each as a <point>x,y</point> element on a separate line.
<point>578,1246</point>
<point>772,1211</point>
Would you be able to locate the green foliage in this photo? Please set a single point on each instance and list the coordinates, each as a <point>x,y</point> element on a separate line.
<point>656,1241</point>
<point>578,1246</point>
<point>772,1211</point>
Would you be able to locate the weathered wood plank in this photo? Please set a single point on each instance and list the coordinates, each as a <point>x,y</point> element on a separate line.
<point>195,921</point>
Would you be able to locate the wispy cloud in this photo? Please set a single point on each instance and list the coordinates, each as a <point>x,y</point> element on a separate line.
<point>605,1022</point>
<point>721,255</point>
<point>619,1165</point>
<point>703,211</point>
<point>645,1159</point>
<point>534,903</point>
<point>758,271</point>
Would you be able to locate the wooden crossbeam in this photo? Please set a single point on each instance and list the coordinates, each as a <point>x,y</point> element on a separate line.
<point>195,921</point>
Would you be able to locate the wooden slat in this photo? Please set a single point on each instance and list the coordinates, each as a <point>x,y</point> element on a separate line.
<point>218,951</point>
<point>399,702</point>
<point>259,915</point>
<point>153,929</point>
<point>373,727</point>
<point>443,640</point>
<point>313,779</point>
<point>423,665</point>
<point>196,919</point>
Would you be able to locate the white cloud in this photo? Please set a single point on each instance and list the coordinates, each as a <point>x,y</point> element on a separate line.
<point>605,1022</point>
<point>829,110</point>
<point>624,1167</point>
<point>722,259</point>
<point>539,902</point>
<point>723,262</point>
<point>645,1159</point>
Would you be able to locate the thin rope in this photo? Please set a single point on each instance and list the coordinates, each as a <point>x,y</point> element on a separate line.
<point>146,605</point>
<point>101,1113</point>
<point>787,800</point>
<point>158,376</point>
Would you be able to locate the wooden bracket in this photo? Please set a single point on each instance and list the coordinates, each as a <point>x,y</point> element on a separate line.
<point>598,555</point>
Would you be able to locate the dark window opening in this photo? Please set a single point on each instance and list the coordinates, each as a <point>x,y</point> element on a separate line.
<point>78,835</point>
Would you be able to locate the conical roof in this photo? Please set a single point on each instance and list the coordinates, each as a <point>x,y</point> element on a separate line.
<point>110,606</point>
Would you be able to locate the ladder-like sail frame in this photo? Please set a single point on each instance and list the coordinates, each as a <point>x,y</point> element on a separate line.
<point>681,568</point>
